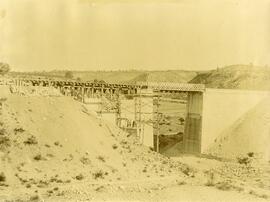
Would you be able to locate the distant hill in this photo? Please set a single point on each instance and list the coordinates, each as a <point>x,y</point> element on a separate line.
<point>108,76</point>
<point>166,76</point>
<point>231,77</point>
<point>122,76</point>
<point>236,77</point>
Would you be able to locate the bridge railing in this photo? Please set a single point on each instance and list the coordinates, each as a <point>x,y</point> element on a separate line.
<point>173,86</point>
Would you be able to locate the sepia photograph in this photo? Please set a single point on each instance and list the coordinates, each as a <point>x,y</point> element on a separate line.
<point>134,100</point>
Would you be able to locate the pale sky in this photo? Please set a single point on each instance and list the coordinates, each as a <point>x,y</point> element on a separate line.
<point>133,34</point>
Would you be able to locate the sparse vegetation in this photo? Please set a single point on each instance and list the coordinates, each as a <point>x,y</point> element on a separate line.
<point>224,186</point>
<point>187,171</point>
<point>244,160</point>
<point>31,141</point>
<point>235,77</point>
<point>250,154</point>
<point>79,177</point>
<point>38,157</point>
<point>4,142</point>
<point>181,183</point>
<point>18,130</point>
<point>182,120</point>
<point>85,160</point>
<point>123,157</point>
<point>4,68</point>
<point>2,131</point>
<point>98,174</point>
<point>2,177</point>
<point>114,146</point>
<point>57,143</point>
<point>101,158</point>
<point>35,198</point>
<point>100,189</point>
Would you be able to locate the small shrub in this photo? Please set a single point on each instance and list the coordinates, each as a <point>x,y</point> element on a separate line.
<point>57,143</point>
<point>2,177</point>
<point>38,157</point>
<point>28,186</point>
<point>49,191</point>
<point>243,160</point>
<point>35,198</point>
<point>55,188</point>
<point>114,146</point>
<point>181,183</point>
<point>250,154</point>
<point>98,174</point>
<point>123,142</point>
<point>79,177</point>
<point>85,161</point>
<point>2,131</point>
<point>4,142</point>
<point>182,120</point>
<point>224,186</point>
<point>187,171</point>
<point>101,158</point>
<point>31,140</point>
<point>3,100</point>
<point>100,189</point>
<point>18,130</point>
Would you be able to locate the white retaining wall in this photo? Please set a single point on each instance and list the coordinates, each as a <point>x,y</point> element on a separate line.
<point>221,108</point>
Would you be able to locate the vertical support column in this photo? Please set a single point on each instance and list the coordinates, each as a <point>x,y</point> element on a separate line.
<point>61,89</point>
<point>92,92</point>
<point>193,123</point>
<point>145,115</point>
<point>82,94</point>
<point>138,117</point>
<point>88,92</point>
<point>65,90</point>
<point>111,93</point>
<point>101,89</point>
<point>157,124</point>
<point>20,89</point>
<point>118,108</point>
<point>70,91</point>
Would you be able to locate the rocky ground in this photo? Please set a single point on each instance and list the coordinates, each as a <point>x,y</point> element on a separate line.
<point>53,148</point>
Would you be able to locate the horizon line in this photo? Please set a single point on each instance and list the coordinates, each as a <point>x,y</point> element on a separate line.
<point>138,70</point>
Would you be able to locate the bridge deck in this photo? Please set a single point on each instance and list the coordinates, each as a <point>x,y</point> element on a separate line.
<point>163,86</point>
